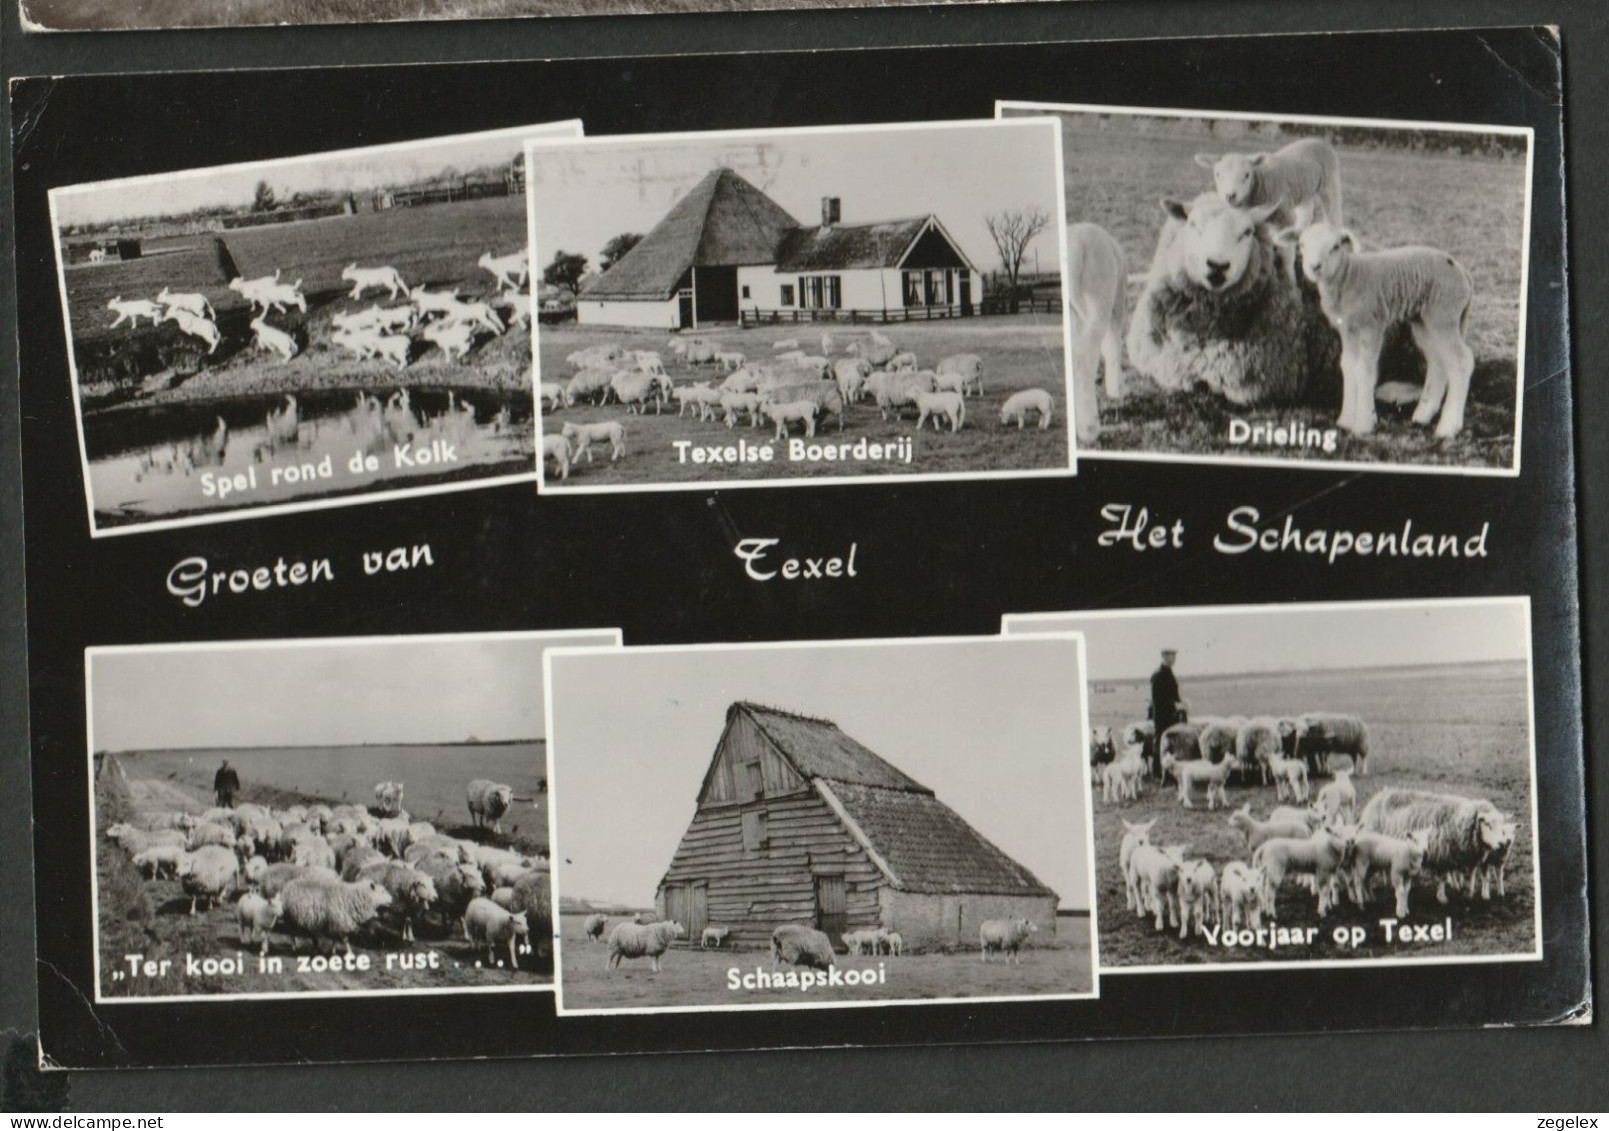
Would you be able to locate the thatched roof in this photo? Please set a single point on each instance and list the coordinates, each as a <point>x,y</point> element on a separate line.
<point>816,748</point>
<point>723,221</point>
<point>843,247</point>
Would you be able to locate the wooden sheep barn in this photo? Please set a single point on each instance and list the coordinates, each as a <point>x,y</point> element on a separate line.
<point>799,823</point>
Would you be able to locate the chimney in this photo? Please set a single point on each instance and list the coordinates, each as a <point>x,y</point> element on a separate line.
<point>831,212</point>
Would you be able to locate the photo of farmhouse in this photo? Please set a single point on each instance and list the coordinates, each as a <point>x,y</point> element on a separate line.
<point>301,330</point>
<point>806,849</point>
<point>1318,290</point>
<point>845,289</point>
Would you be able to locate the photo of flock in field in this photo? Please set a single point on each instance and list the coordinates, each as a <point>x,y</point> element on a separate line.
<point>1260,288</point>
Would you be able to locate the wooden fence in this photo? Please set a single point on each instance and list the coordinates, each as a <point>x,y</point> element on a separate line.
<point>757,317</point>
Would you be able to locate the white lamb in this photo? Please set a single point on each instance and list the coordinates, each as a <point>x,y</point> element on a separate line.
<point>191,302</point>
<point>488,925</point>
<point>362,278</point>
<point>196,325</point>
<point>257,916</point>
<point>1214,775</point>
<point>735,404</point>
<point>785,344</point>
<point>557,449</point>
<point>1240,896</point>
<point>1365,293</point>
<point>1133,837</point>
<point>967,366</point>
<point>1122,779</point>
<point>1338,795</point>
<point>555,395</point>
<point>1321,856</point>
<point>949,405</point>
<point>1198,897</point>
<point>1156,882</point>
<point>1019,405</point>
<point>511,270</point>
<point>1097,274</point>
<point>476,313</point>
<point>159,859</point>
<point>583,436</point>
<point>1290,777</point>
<point>274,339</point>
<point>433,302</point>
<point>785,414</point>
<point>729,360</point>
<point>1303,178</point>
<point>1399,859</point>
<point>133,310</point>
<point>208,873</point>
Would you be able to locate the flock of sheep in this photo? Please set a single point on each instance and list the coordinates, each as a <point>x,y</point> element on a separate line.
<point>790,388</point>
<point>451,323</point>
<point>1237,248</point>
<point>1325,843</point>
<point>328,873</point>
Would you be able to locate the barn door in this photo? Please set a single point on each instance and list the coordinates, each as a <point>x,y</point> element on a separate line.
<point>698,911</point>
<point>677,905</point>
<point>832,908</point>
<point>684,310</point>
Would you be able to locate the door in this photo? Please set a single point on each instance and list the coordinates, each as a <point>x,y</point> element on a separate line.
<point>832,913</point>
<point>966,293</point>
<point>698,911</point>
<point>676,904</point>
<point>684,310</point>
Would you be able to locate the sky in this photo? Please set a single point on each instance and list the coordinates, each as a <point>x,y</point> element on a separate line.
<point>412,689</point>
<point>235,184</point>
<point>1128,646</point>
<point>988,724</point>
<point>586,194</point>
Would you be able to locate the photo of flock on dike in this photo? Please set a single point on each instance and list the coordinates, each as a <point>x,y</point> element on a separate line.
<point>1303,290</point>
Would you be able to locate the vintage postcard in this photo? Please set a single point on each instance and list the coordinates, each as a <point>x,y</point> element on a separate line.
<point>787,306</point>
<point>1276,290</point>
<point>813,824</point>
<point>254,339</point>
<point>387,835</point>
<point>1312,785</point>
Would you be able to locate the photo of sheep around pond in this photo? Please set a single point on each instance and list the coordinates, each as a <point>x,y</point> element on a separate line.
<point>267,336</point>
<point>783,306</point>
<point>1334,783</point>
<point>1310,290</point>
<point>820,825</point>
<point>321,818</point>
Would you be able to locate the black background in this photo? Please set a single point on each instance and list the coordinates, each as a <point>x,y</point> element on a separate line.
<point>934,558</point>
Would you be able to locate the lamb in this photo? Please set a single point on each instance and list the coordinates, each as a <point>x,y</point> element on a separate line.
<point>133,310</point>
<point>1020,404</point>
<point>714,936</point>
<point>1240,896</point>
<point>359,857</point>
<point>593,927</point>
<point>133,840</point>
<point>1198,897</point>
<point>583,436</point>
<point>277,876</point>
<point>784,344</point>
<point>729,360</point>
<point>388,798</point>
<point>902,362</point>
<point>895,943</point>
<point>1301,179</point>
<point>207,873</point>
<point>818,368</point>
<point>895,390</point>
<point>801,946</point>
<point>274,339</point>
<point>699,352</point>
<point>501,865</point>
<point>592,382</point>
<point>1338,795</point>
<point>967,366</point>
<point>197,327</point>
<point>642,940</point>
<point>456,884</point>
<point>313,852</point>
<point>554,393</point>
<point>1462,830</point>
<point>1181,742</point>
<point>322,908</point>
<point>1290,777</point>
<point>253,871</point>
<point>511,270</point>
<point>1133,837</point>
<point>1257,832</point>
<point>488,801</point>
<point>1187,774</point>
<point>1395,857</point>
<point>1305,815</point>
<point>488,925</point>
<point>393,838</point>
<point>784,414</point>
<point>476,313</point>
<point>823,394</point>
<point>635,389</point>
<point>1122,778</point>
<point>1321,855</point>
<point>277,295</point>
<point>1102,752</point>
<point>1365,293</point>
<point>865,941</point>
<point>1318,735</point>
<point>436,844</point>
<point>1258,739</point>
<point>557,449</point>
<point>257,916</point>
<point>745,380</point>
<point>433,302</point>
<point>153,862</point>
<point>875,352</point>
<point>173,819</point>
<point>1005,936</point>
<point>949,405</point>
<point>362,278</point>
<point>850,373</point>
<point>1097,274</point>
<point>454,339</point>
<point>209,833</point>
<point>596,357</point>
<point>1494,862</point>
<point>191,302</point>
<point>735,404</point>
<point>1156,882</point>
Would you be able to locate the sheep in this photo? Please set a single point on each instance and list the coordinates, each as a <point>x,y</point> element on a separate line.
<point>257,916</point>
<point>583,436</point>
<point>967,366</point>
<point>209,833</point>
<point>388,798</point>
<point>714,936</point>
<point>172,819</point>
<point>902,362</point>
<point>875,352</point>
<point>1240,896</point>
<point>1318,735</point>
<point>1303,178</point>
<point>1020,404</point>
<point>745,380</point>
<point>864,941</point>
<point>1321,855</point>
<point>321,908</point>
<point>784,344</point>
<point>274,339</point>
<point>1187,774</point>
<point>1133,837</point>
<point>1256,741</point>
<point>1102,752</point>
<point>818,368</point>
<point>1005,936</point>
<point>894,391</point>
<point>1219,739</point>
<point>949,405</point>
<point>593,927</point>
<point>555,395</point>
<point>1223,309</point>
<point>159,859</point>
<point>1400,859</point>
<point>511,270</point>
<point>1338,795</point>
<point>314,852</point>
<point>436,844</point>
<point>475,313</point>
<point>1462,830</point>
<point>1156,882</point>
<point>635,389</point>
<point>1364,294</point>
<point>1181,742</point>
<point>801,946</point>
<point>454,339</point>
<point>1494,862</point>
<point>133,840</point>
<point>456,884</point>
<point>492,860</point>
<point>253,871</point>
<point>488,925</point>
<point>276,876</point>
<point>1122,778</point>
<point>533,895</point>
<point>699,352</point>
<point>1290,777</point>
<point>393,838</point>
<point>1097,274</point>
<point>784,414</point>
<point>488,801</point>
<point>850,373</point>
<point>735,404</point>
<point>1256,832</point>
<point>729,360</point>
<point>191,302</point>
<point>503,897</point>
<point>207,873</point>
<point>133,310</point>
<point>823,394</point>
<point>1305,815</point>
<point>358,858</point>
<point>557,449</point>
<point>197,327</point>
<point>362,278</point>
<point>419,830</point>
<point>433,302</point>
<point>1198,897</point>
<point>641,940</point>
<point>895,943</point>
<point>395,348</point>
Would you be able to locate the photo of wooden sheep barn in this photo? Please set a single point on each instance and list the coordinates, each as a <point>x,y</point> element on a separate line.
<point>1311,785</point>
<point>782,305</point>
<point>810,868</point>
<point>255,338</point>
<point>1273,290</point>
<point>390,835</point>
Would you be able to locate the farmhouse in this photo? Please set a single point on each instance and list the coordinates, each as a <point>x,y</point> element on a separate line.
<point>727,250</point>
<point>799,823</point>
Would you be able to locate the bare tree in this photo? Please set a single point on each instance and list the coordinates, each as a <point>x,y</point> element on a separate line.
<point>1012,231</point>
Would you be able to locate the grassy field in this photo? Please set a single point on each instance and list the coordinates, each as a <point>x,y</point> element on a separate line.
<point>151,917</point>
<point>690,976</point>
<point>1018,351</point>
<point>1459,730</point>
<point>1470,206</point>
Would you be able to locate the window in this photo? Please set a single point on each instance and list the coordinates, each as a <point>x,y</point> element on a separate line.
<point>927,288</point>
<point>754,832</point>
<point>751,783</point>
<point>820,292</point>
<point>745,291</point>
<point>787,294</point>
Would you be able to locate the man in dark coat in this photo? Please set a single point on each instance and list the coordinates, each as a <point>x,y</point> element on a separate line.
<point>226,783</point>
<point>1165,699</point>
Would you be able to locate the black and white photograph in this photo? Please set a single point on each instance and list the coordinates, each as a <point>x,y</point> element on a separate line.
<point>1296,290</point>
<point>304,332</point>
<point>321,817</point>
<point>1309,785</point>
<point>761,307</point>
<point>778,826</point>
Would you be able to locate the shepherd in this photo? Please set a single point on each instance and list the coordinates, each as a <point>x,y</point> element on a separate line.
<point>226,783</point>
<point>1165,701</point>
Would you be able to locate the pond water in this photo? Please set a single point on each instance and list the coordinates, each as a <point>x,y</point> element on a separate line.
<point>250,451</point>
